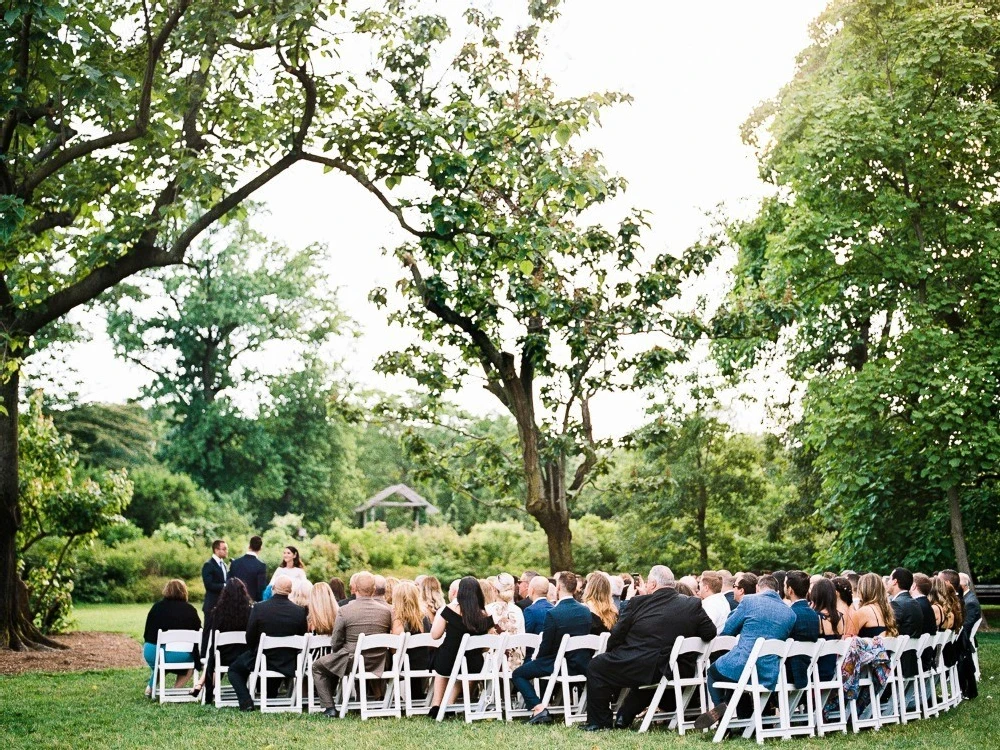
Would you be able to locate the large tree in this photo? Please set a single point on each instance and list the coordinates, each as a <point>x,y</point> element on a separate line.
<point>506,279</point>
<point>116,119</point>
<point>875,267</point>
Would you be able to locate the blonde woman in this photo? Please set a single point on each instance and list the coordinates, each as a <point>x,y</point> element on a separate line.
<point>301,591</point>
<point>597,597</point>
<point>874,615</point>
<point>390,584</point>
<point>507,615</point>
<point>322,609</point>
<point>431,594</point>
<point>489,591</point>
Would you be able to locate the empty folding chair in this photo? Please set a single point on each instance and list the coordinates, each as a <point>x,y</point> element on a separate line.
<point>684,689</point>
<point>490,703</point>
<point>292,703</point>
<point>174,642</point>
<point>317,646</point>
<point>513,703</point>
<point>359,676</point>
<point>749,684</point>
<point>409,675</point>
<point>828,695</point>
<point>223,695</point>
<point>912,688</point>
<point>791,698</point>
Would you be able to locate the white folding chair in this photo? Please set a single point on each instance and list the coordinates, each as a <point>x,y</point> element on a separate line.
<point>574,711</point>
<point>830,692</point>
<point>749,683</point>
<point>317,646</point>
<point>939,673</point>
<point>513,703</point>
<point>684,688</point>
<point>975,647</point>
<point>875,715</point>
<point>790,698</point>
<point>408,675</point>
<point>951,673</point>
<point>223,695</point>
<point>360,675</point>
<point>174,641</point>
<point>912,688</point>
<point>490,703</point>
<point>261,674</point>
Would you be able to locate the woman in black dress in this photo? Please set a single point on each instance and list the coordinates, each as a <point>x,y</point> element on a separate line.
<point>231,613</point>
<point>172,612</point>
<point>467,614</point>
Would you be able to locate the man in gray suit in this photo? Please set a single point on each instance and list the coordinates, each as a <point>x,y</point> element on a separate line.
<point>363,615</point>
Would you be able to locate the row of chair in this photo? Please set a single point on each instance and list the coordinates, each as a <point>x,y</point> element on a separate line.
<point>818,708</point>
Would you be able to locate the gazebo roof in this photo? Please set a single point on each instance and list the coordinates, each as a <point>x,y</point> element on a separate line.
<point>411,500</point>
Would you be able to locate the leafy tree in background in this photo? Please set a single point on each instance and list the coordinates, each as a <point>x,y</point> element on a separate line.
<point>504,278</point>
<point>112,436</point>
<point>874,267</point>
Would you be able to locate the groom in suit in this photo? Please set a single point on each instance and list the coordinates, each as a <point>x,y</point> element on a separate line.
<point>213,574</point>
<point>567,617</point>
<point>251,570</point>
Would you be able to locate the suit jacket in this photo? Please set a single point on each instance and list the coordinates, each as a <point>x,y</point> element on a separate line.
<point>252,572</point>
<point>640,642</point>
<point>534,615</point>
<point>568,617</point>
<point>909,621</point>
<point>523,604</point>
<point>363,615</point>
<point>214,579</point>
<point>731,598</point>
<point>277,617</point>
<point>806,628</point>
<point>973,613</point>
<point>761,615</point>
<point>929,627</point>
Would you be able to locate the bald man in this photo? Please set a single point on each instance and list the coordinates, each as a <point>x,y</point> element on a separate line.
<point>277,617</point>
<point>534,613</point>
<point>363,615</point>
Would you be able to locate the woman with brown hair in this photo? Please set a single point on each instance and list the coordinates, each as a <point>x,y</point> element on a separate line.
<point>172,612</point>
<point>597,597</point>
<point>874,615</point>
<point>230,614</point>
<point>944,602</point>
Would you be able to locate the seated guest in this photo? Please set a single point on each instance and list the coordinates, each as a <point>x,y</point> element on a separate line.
<point>390,584</point>
<point>381,586</point>
<point>363,615</point>
<point>568,617</point>
<point>855,580</point>
<point>617,586</point>
<point>172,612</point>
<point>909,618</point>
<point>806,627</point>
<point>430,592</point>
<point>823,599</point>
<point>534,614</point>
<point>301,591</point>
<point>251,570</point>
<point>466,615</point>
<point>746,583</point>
<point>337,586</point>
<point>597,598</point>
<point>489,591</point>
<point>873,616</point>
<point>968,613</point>
<point>322,610</point>
<point>453,591</point>
<point>973,610</point>
<point>845,596</point>
<point>763,615</point>
<point>944,604</point>
<point>728,582</point>
<point>639,648</point>
<point>523,600</point>
<point>689,582</point>
<point>229,615</point>
<point>508,617</point>
<point>277,617</point>
<point>684,589</point>
<point>409,615</point>
<point>779,576</point>
<point>712,598</point>
<point>919,591</point>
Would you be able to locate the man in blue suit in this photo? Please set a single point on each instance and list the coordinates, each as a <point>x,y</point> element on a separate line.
<point>761,615</point>
<point>251,570</point>
<point>534,613</point>
<point>806,626</point>
<point>568,617</point>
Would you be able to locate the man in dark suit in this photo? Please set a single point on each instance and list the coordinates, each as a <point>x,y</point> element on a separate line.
<point>909,618</point>
<point>277,617</point>
<point>728,588</point>
<point>534,613</point>
<point>919,591</point>
<point>523,583</point>
<point>213,574</point>
<point>568,617</point>
<point>251,570</point>
<point>639,648</point>
<point>973,610</point>
<point>806,627</point>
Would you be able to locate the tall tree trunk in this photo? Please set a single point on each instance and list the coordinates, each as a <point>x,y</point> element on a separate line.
<point>555,519</point>
<point>17,631</point>
<point>957,533</point>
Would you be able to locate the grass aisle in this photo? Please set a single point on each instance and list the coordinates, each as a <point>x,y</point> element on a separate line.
<point>106,709</point>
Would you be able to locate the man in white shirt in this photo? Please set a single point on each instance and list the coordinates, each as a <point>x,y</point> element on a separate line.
<point>712,599</point>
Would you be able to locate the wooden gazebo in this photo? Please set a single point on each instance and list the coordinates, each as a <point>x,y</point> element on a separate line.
<point>410,500</point>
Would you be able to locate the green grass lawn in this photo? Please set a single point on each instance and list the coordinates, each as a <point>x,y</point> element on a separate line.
<point>107,709</point>
<point>113,618</point>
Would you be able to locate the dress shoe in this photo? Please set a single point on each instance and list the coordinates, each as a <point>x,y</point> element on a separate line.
<point>595,727</point>
<point>331,713</point>
<point>621,723</point>
<point>248,709</point>
<point>542,717</point>
<point>709,719</point>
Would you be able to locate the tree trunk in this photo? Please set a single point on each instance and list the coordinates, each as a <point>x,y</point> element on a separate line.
<point>702,524</point>
<point>17,631</point>
<point>555,518</point>
<point>957,534</point>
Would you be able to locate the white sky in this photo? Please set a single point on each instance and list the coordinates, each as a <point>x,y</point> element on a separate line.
<point>696,70</point>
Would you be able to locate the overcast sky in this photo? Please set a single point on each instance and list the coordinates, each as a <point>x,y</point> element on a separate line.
<point>696,70</point>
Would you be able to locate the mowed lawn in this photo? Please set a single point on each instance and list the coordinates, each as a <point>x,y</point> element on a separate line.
<point>107,709</point>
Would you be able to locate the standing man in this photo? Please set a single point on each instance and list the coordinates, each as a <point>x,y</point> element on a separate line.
<point>523,600</point>
<point>251,570</point>
<point>214,574</point>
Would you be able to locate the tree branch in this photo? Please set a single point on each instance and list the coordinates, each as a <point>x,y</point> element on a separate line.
<point>21,79</point>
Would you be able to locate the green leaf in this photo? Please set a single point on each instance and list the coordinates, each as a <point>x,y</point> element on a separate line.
<point>526,267</point>
<point>563,134</point>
